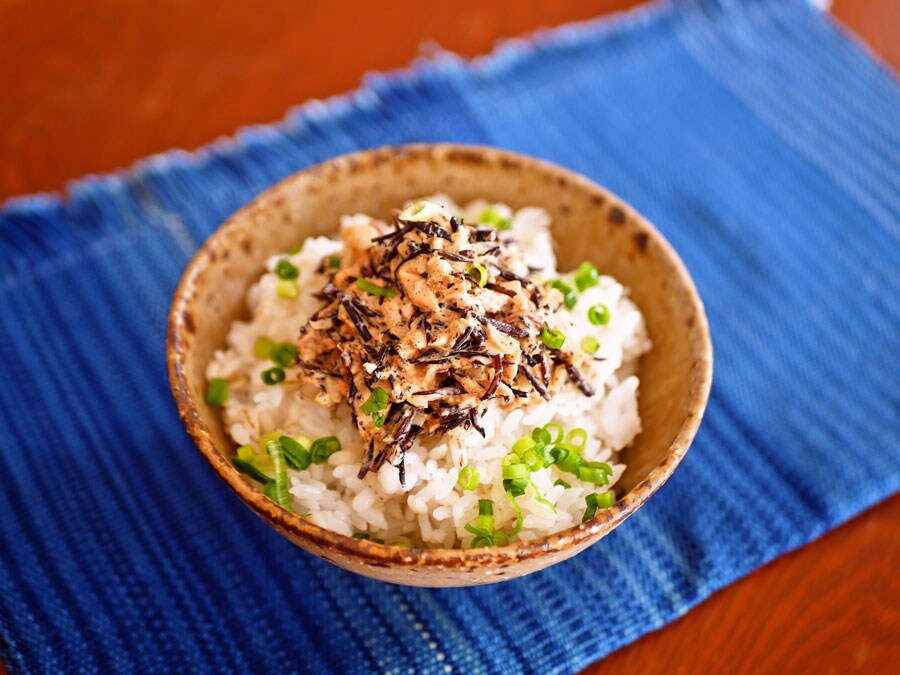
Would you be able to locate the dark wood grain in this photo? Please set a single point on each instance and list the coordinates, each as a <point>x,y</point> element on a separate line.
<point>831,607</point>
<point>93,87</point>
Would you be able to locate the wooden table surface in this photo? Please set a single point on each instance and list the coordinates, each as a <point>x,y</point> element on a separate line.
<point>91,87</point>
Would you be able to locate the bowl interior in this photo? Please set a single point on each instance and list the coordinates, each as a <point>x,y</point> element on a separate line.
<point>588,223</point>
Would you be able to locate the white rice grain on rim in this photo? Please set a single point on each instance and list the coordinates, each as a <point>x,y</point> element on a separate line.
<point>432,510</point>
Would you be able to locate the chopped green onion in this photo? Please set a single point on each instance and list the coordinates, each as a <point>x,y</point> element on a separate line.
<point>596,501</point>
<point>377,401</point>
<point>295,454</point>
<point>514,471</point>
<point>378,419</point>
<point>590,345</point>
<point>479,272</point>
<point>556,430</point>
<point>577,438</point>
<point>285,269</point>
<point>468,478</point>
<point>485,519</point>
<point>541,500</point>
<point>272,435</point>
<point>570,297</point>
<point>272,375</point>
<point>491,217</point>
<point>269,490</point>
<point>282,496</point>
<point>262,348</point>
<point>287,289</point>
<point>552,338</point>
<point>567,458</point>
<point>217,392</point>
<point>512,497</point>
<point>323,448</point>
<point>293,250</point>
<point>283,354</point>
<point>541,435</point>
<point>591,475</point>
<point>421,211</point>
<point>511,458</point>
<point>602,466</point>
<point>246,454</point>
<point>523,444</point>
<point>375,289</point>
<point>605,500</point>
<point>599,315</point>
<point>586,276</point>
<point>533,460</point>
<point>543,452</point>
<point>515,486</point>
<point>365,536</point>
<point>334,262</point>
<point>249,470</point>
<point>560,481</point>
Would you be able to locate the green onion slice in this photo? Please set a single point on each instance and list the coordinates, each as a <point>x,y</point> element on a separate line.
<point>591,475</point>
<point>217,392</point>
<point>377,401</point>
<point>365,536</point>
<point>541,435</point>
<point>514,471</point>
<point>262,348</point>
<point>586,276</point>
<point>249,470</point>
<point>560,481</point>
<point>468,478</point>
<point>295,454</point>
<point>518,526</point>
<point>479,273</point>
<point>323,448</point>
<point>287,289</point>
<point>556,430</point>
<point>282,496</point>
<point>570,297</point>
<point>334,262</point>
<point>491,217</point>
<point>485,519</point>
<point>532,460</point>
<point>596,501</point>
<point>590,345</point>
<point>577,438</point>
<point>245,453</point>
<point>285,269</point>
<point>552,338</point>
<point>272,375</point>
<point>375,289</point>
<point>523,444</point>
<point>515,486</point>
<point>283,354</point>
<point>599,315</point>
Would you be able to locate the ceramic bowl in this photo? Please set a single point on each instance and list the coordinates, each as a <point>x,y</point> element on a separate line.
<point>589,222</point>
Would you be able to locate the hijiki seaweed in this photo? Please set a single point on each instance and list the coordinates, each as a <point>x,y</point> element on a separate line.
<point>424,324</point>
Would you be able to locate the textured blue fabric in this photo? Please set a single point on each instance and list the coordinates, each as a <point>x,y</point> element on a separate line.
<point>763,143</point>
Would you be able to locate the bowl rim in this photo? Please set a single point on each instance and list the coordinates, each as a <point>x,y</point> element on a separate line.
<point>379,555</point>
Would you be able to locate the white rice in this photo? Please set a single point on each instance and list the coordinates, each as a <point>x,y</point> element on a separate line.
<point>432,510</point>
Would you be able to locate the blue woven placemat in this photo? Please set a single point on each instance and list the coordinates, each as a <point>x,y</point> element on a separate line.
<point>763,143</point>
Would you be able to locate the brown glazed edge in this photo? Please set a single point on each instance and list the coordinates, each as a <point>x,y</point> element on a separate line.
<point>372,555</point>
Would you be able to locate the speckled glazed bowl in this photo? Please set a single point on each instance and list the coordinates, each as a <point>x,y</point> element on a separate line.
<point>588,223</point>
